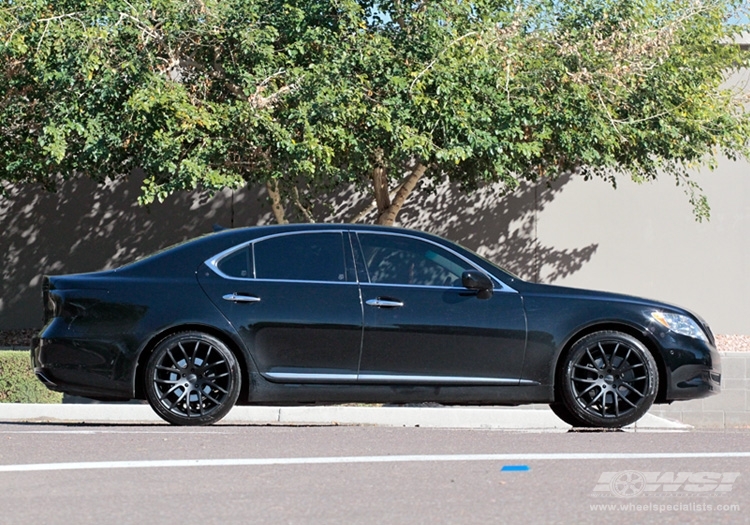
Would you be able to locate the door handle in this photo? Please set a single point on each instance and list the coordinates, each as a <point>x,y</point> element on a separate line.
<point>240,298</point>
<point>384,303</point>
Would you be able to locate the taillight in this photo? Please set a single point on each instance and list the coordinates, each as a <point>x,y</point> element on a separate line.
<point>49,300</point>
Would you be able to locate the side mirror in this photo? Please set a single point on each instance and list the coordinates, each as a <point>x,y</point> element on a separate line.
<point>479,281</point>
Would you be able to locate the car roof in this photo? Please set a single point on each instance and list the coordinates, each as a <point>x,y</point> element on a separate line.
<point>186,256</point>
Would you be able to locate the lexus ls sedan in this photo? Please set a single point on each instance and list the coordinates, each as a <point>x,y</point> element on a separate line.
<point>323,314</point>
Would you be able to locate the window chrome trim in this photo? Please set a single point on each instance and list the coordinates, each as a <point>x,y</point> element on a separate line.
<point>301,281</point>
<point>213,262</point>
<point>502,286</point>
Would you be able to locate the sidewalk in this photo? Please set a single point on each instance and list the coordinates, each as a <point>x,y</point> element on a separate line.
<point>530,417</point>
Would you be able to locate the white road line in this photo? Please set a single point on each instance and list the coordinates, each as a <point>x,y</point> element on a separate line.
<point>364,459</point>
<point>172,432</point>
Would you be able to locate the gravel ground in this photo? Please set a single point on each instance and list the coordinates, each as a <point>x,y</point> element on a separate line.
<point>22,339</point>
<point>733,343</point>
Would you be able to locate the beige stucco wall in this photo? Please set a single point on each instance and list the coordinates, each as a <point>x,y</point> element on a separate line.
<point>648,243</point>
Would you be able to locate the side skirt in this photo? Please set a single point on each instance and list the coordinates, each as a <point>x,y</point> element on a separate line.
<point>263,392</point>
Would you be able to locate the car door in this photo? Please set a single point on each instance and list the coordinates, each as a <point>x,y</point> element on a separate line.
<point>294,300</point>
<point>422,326</point>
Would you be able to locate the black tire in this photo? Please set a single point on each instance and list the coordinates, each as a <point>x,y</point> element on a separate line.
<point>192,378</point>
<point>561,411</point>
<point>608,380</point>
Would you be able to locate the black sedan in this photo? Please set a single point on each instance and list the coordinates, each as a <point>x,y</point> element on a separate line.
<point>302,314</point>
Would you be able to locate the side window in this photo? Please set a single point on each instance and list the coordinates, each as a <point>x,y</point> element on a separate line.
<point>301,257</point>
<point>392,259</point>
<point>237,264</point>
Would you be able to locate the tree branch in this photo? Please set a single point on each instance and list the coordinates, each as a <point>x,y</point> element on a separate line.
<point>305,211</point>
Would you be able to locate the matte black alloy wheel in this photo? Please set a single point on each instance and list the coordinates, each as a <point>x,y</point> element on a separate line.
<point>192,379</point>
<point>609,379</point>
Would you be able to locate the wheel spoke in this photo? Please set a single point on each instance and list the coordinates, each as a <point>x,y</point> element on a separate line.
<point>614,353</point>
<point>624,398</point>
<point>187,402</point>
<point>599,395</point>
<point>179,398</point>
<point>184,354</point>
<point>216,401</point>
<point>617,404</point>
<point>168,381</point>
<point>168,369</point>
<point>632,389</point>
<point>591,358</point>
<point>195,352</point>
<point>199,403</point>
<point>168,392</point>
<point>579,396</point>
<point>210,366</point>
<point>607,364</point>
<point>625,362</point>
<point>630,366</point>
<point>214,386</point>
<point>174,361</point>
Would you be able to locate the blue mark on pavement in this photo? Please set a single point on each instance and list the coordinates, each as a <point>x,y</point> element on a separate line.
<point>515,468</point>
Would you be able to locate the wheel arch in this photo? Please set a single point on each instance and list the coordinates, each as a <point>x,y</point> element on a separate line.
<point>234,347</point>
<point>639,334</point>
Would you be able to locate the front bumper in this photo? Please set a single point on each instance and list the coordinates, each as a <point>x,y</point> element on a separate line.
<point>694,369</point>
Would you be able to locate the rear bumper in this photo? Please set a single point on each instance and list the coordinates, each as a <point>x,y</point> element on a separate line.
<point>75,367</point>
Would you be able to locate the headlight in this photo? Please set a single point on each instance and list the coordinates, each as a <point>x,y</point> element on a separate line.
<point>681,324</point>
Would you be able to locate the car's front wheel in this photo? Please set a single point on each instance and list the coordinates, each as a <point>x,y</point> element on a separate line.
<point>609,379</point>
<point>192,378</point>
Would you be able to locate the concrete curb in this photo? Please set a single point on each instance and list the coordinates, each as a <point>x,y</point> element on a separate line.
<point>515,418</point>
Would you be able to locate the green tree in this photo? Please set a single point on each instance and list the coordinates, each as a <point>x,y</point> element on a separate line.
<point>311,96</point>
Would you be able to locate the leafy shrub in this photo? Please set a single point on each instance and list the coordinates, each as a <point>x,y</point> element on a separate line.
<point>18,383</point>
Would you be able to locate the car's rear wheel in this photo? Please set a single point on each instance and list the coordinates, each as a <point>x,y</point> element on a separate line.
<point>192,378</point>
<point>609,379</point>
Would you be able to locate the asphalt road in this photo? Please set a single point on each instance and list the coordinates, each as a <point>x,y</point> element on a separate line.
<point>71,474</point>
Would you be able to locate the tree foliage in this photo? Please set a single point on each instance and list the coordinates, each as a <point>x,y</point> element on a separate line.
<point>309,96</point>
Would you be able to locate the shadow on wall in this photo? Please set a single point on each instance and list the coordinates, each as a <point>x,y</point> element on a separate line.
<point>84,227</point>
<point>500,228</point>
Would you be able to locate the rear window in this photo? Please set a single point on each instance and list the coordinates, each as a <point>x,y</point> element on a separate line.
<point>301,257</point>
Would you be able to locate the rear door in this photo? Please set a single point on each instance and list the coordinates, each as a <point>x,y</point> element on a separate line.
<point>294,300</point>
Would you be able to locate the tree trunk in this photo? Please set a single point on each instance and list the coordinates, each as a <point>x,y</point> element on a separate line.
<point>388,215</point>
<point>278,209</point>
<point>380,184</point>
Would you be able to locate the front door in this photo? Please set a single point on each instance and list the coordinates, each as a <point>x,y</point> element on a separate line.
<point>422,326</point>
